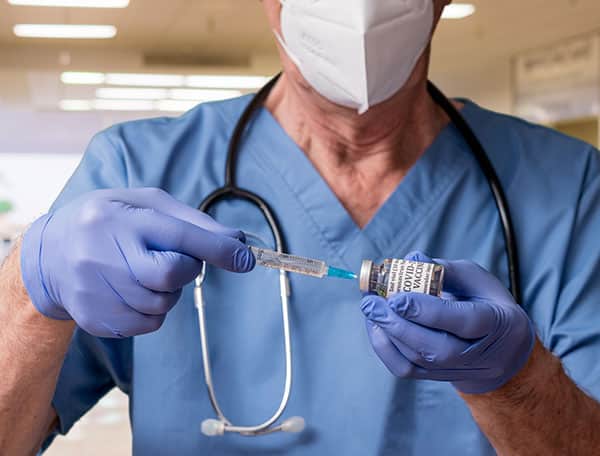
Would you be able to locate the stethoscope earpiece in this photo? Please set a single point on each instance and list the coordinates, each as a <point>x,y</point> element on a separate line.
<point>293,425</point>
<point>212,427</point>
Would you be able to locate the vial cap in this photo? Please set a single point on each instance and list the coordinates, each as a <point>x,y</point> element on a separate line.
<point>365,276</point>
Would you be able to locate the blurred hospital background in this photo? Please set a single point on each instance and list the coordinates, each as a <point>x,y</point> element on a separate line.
<point>69,68</point>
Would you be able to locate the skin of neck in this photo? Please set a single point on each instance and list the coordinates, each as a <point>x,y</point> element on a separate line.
<point>362,158</point>
<point>394,133</point>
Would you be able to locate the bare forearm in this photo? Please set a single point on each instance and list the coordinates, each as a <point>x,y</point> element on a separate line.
<point>540,412</point>
<point>32,349</point>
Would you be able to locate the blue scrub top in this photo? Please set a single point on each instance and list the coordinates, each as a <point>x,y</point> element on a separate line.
<point>351,403</point>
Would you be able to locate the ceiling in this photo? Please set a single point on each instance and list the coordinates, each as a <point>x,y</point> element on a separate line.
<point>471,57</point>
<point>218,30</point>
<point>503,28</point>
<point>229,31</point>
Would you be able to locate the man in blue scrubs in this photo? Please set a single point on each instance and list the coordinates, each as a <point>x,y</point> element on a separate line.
<point>352,173</point>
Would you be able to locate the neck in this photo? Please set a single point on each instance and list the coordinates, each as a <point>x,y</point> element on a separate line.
<point>402,127</point>
<point>358,153</point>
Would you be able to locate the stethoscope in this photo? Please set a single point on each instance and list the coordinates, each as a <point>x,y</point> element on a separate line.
<point>221,425</point>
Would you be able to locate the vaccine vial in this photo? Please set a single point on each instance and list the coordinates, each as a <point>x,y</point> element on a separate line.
<point>394,275</point>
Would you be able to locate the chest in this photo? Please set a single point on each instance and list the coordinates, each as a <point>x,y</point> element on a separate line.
<point>361,190</point>
<point>351,403</point>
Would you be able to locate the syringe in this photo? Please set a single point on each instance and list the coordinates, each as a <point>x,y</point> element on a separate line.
<point>301,265</point>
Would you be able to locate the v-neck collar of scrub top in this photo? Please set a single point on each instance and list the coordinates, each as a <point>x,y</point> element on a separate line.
<point>417,194</point>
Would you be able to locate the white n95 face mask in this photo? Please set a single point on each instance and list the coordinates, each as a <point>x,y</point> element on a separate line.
<point>356,53</point>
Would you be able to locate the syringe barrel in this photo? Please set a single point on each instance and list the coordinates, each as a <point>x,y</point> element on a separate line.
<point>290,263</point>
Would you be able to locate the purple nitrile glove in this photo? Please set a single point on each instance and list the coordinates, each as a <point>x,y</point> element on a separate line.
<point>476,336</point>
<point>115,261</point>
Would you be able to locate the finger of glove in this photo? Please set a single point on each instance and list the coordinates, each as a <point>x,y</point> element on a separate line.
<point>468,279</point>
<point>401,367</point>
<point>418,256</point>
<point>423,346</point>
<point>165,233</point>
<point>117,320</point>
<point>138,325</point>
<point>161,201</point>
<point>176,271</point>
<point>446,371</point>
<point>465,319</point>
<point>151,302</point>
<point>395,361</point>
<point>163,272</point>
<point>137,295</point>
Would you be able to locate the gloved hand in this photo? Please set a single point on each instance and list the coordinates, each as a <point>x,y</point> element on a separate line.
<point>115,261</point>
<point>476,336</point>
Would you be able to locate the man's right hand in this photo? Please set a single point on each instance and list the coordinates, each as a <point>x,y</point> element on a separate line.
<point>115,261</point>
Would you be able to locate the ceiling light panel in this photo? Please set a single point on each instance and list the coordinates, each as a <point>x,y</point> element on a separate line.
<point>82,78</point>
<point>127,105</point>
<point>76,105</point>
<point>175,105</point>
<point>458,11</point>
<point>220,86</point>
<point>144,80</point>
<point>72,3</point>
<point>123,105</point>
<point>67,31</point>
<point>203,95</point>
<point>131,93</point>
<point>226,81</point>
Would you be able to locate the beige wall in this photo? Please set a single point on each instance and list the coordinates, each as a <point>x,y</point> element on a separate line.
<point>587,130</point>
<point>487,85</point>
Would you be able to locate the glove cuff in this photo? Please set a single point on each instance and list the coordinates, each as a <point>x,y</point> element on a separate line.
<point>31,271</point>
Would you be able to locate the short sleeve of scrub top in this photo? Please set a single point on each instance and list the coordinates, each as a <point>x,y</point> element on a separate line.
<point>352,404</point>
<point>574,333</point>
<point>553,185</point>
<point>92,366</point>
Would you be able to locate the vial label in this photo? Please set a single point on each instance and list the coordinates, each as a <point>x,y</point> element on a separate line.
<point>409,276</point>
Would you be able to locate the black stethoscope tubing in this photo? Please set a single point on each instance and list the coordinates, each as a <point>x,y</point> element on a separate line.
<point>231,190</point>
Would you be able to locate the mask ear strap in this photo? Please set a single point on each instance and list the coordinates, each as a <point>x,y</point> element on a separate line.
<point>287,50</point>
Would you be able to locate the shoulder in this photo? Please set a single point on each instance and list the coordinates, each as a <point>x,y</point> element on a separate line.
<point>521,150</point>
<point>206,119</point>
<point>183,155</point>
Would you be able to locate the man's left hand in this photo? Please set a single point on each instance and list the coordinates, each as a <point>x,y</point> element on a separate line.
<point>475,336</point>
